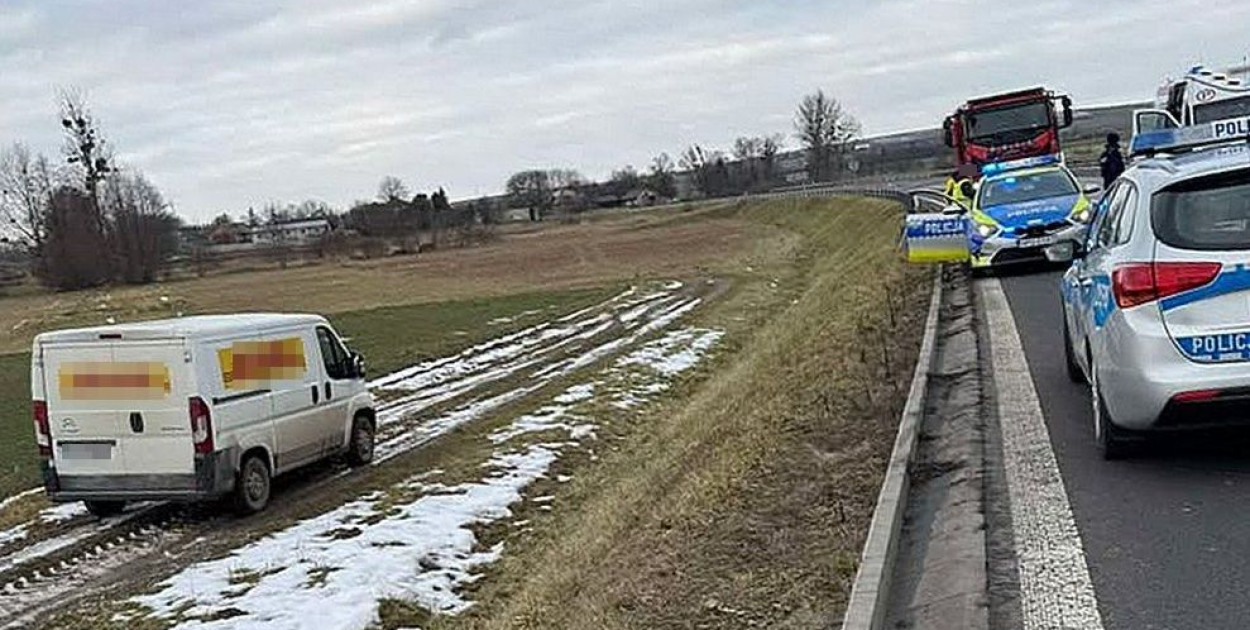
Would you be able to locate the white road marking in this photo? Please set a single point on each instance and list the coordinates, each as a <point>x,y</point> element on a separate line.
<point>1055,587</point>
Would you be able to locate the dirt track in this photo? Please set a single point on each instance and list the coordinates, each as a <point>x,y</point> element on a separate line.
<point>62,558</point>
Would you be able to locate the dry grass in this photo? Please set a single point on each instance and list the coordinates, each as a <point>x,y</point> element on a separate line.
<point>745,502</point>
<point>553,257</point>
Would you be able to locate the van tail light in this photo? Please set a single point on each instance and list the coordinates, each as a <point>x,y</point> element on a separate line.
<point>1139,283</point>
<point>201,426</point>
<point>43,435</point>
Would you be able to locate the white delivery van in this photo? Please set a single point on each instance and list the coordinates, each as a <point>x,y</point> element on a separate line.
<point>194,408</point>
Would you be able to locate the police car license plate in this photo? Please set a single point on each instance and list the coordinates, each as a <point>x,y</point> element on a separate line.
<point>1037,241</point>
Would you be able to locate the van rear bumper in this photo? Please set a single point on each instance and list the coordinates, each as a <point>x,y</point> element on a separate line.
<point>213,477</point>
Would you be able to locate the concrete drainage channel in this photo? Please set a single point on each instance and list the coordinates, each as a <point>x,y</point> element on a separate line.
<point>924,562</point>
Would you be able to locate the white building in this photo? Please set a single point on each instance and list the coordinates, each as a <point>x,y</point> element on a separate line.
<point>290,232</point>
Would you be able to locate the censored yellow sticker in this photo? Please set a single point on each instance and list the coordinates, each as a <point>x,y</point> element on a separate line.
<point>248,365</point>
<point>113,380</point>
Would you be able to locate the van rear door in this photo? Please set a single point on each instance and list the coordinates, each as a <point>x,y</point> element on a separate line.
<point>118,407</point>
<point>157,426</point>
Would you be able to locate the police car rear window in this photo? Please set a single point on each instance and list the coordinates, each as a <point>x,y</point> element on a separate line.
<point>1207,213</point>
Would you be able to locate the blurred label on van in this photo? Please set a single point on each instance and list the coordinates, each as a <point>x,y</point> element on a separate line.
<point>113,380</point>
<point>248,365</point>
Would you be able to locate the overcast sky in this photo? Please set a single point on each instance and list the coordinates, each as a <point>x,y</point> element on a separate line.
<point>241,102</point>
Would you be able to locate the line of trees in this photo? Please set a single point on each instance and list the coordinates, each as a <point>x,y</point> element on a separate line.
<point>83,220</point>
<point>419,220</point>
<point>822,126</point>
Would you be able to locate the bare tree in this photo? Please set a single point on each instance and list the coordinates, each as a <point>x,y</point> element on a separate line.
<point>74,252</point>
<point>748,147</point>
<point>531,189</point>
<point>625,180</point>
<point>565,178</point>
<point>392,188</point>
<point>705,165</point>
<point>661,176</point>
<point>823,126</point>
<point>84,145</point>
<point>26,184</point>
<point>143,230</point>
<point>771,146</point>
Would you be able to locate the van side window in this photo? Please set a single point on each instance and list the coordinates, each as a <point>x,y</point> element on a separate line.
<point>333,354</point>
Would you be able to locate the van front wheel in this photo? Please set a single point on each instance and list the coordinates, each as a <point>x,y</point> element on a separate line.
<point>105,508</point>
<point>251,489</point>
<point>360,452</point>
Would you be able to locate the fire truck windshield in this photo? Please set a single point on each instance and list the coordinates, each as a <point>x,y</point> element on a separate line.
<point>1220,110</point>
<point>1009,124</point>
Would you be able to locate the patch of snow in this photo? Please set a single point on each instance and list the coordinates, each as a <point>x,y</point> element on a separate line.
<point>321,574</point>
<point>575,394</point>
<point>675,352</point>
<point>13,534</point>
<point>62,512</point>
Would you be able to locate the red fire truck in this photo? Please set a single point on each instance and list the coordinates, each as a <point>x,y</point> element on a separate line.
<point>1008,126</point>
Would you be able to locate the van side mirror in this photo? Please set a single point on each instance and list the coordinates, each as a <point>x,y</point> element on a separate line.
<point>358,365</point>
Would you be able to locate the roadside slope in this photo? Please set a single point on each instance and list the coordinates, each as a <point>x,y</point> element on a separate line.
<point>744,502</point>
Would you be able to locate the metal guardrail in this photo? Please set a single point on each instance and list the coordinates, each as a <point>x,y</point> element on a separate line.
<point>833,191</point>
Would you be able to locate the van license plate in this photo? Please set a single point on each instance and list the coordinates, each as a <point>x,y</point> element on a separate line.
<point>99,450</point>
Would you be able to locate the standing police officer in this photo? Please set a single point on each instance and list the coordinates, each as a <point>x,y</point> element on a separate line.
<point>1111,162</point>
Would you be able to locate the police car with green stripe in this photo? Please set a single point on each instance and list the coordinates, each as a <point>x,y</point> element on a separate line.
<point>1027,211</point>
<point>1157,306</point>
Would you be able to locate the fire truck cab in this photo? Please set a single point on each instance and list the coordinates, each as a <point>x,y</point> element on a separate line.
<point>1009,126</point>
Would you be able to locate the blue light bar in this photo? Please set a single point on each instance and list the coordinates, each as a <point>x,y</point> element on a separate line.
<point>994,168</point>
<point>1190,138</point>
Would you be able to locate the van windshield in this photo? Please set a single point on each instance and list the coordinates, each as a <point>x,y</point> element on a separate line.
<point>1208,213</point>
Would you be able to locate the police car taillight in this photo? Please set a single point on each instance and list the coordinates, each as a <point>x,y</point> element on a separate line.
<point>1139,283</point>
<point>201,426</point>
<point>43,436</point>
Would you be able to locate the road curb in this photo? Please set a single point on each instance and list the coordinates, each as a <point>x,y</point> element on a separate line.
<point>869,594</point>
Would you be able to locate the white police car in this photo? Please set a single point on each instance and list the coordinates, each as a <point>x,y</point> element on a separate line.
<point>1157,309</point>
<point>1027,211</point>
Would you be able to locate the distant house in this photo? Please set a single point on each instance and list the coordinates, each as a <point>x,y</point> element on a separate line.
<point>644,198</point>
<point>228,233</point>
<point>299,232</point>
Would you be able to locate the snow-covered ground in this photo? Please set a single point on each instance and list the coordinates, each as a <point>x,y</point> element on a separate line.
<point>439,554</point>
<point>414,541</point>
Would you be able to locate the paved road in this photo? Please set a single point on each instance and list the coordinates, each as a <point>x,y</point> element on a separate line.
<point>1167,534</point>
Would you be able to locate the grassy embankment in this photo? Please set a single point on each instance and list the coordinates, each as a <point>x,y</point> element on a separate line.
<point>744,499</point>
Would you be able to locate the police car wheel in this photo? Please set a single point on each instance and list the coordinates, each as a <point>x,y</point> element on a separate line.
<point>1074,371</point>
<point>1110,438</point>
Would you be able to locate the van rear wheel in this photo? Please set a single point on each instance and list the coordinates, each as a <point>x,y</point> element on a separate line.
<point>105,508</point>
<point>360,451</point>
<point>251,489</point>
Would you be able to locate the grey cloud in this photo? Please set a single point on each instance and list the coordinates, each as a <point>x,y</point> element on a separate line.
<point>233,103</point>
